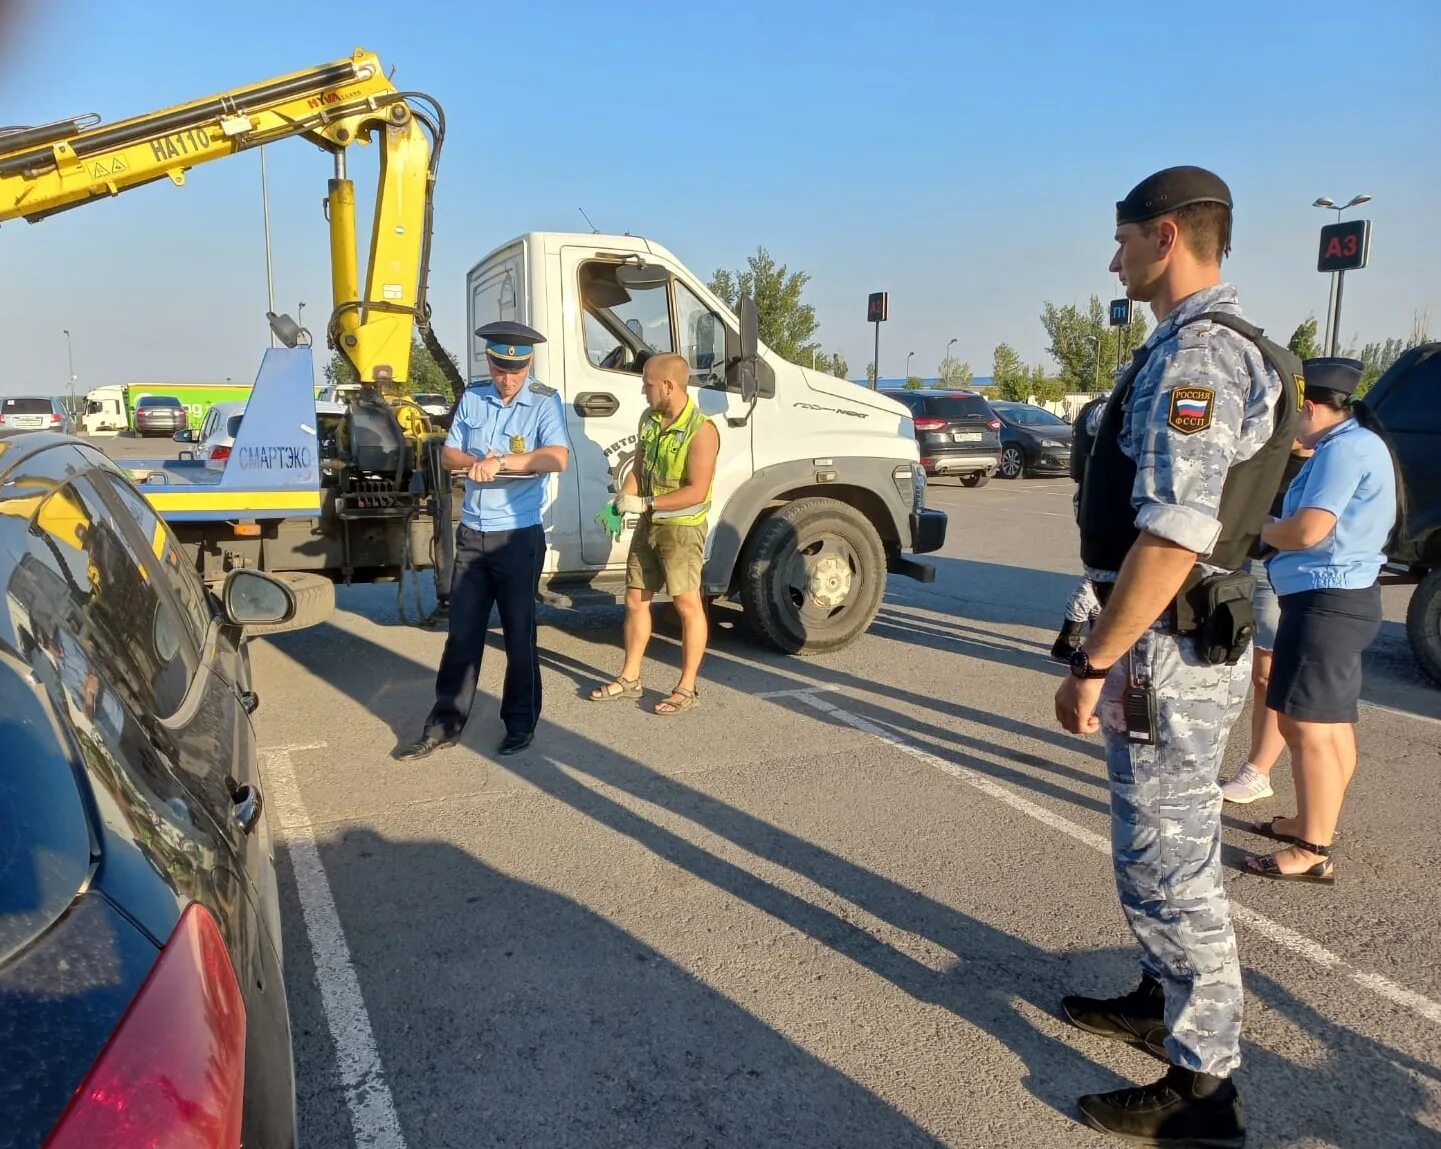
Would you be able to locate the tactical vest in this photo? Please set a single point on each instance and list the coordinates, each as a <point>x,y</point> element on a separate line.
<point>1082,438</point>
<point>661,455</point>
<point>1107,519</point>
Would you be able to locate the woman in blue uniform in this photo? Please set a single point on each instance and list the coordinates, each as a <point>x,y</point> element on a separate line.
<point>1328,550</point>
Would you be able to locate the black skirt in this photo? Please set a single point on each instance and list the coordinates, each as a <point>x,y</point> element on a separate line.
<point>1316,667</point>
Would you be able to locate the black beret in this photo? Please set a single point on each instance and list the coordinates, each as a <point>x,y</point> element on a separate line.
<point>1171,189</point>
<point>1334,374</point>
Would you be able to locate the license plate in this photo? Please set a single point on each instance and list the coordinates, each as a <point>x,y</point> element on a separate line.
<point>25,421</point>
<point>966,436</point>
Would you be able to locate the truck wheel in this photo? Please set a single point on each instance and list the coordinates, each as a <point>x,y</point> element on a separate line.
<point>1423,624</point>
<point>813,577</point>
<point>314,602</point>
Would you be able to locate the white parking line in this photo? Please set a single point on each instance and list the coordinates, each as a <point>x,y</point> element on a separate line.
<point>1283,936</point>
<point>372,1111</point>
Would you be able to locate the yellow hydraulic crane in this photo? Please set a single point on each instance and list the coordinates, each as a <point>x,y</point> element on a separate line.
<point>53,167</point>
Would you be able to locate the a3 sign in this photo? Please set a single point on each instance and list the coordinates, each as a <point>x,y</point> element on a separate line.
<point>1344,246</point>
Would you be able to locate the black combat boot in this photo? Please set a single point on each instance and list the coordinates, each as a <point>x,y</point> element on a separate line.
<point>1068,640</point>
<point>1138,1019</point>
<point>1183,1108</point>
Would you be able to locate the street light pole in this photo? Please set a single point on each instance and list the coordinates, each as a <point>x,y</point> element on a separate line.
<point>1332,334</point>
<point>946,358</point>
<point>269,267</point>
<point>300,314</point>
<point>70,361</point>
<point>909,356</point>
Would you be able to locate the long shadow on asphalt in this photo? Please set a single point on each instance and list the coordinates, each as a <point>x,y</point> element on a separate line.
<point>507,1014</point>
<point>587,1015</point>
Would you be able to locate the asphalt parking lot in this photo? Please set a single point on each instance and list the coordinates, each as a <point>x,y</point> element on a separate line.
<point>835,906</point>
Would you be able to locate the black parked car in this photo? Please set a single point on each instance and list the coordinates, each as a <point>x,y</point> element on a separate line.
<point>957,433</point>
<point>141,994</point>
<point>1407,404</point>
<point>1033,441</point>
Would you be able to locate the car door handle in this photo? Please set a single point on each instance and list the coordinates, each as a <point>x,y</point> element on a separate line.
<point>597,403</point>
<point>246,802</point>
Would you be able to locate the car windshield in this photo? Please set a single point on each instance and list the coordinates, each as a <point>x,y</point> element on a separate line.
<point>25,405</point>
<point>1028,416</point>
<point>159,401</point>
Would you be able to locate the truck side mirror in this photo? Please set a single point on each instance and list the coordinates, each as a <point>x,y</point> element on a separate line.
<point>750,349</point>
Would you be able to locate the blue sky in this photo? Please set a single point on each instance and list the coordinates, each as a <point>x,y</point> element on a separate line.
<point>964,158</point>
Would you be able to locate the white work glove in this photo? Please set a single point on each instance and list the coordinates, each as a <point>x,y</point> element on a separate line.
<point>630,505</point>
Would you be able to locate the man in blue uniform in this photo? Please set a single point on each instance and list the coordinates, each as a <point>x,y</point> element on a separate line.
<point>507,436</point>
<point>1187,455</point>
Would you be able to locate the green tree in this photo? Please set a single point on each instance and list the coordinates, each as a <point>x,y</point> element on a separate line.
<point>914,383</point>
<point>836,365</point>
<point>1303,340</point>
<point>1377,357</point>
<point>1043,389</point>
<point>1008,374</point>
<point>787,324</point>
<point>1086,347</point>
<point>870,374</point>
<point>954,374</point>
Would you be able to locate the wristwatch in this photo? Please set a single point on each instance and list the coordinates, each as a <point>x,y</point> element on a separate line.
<point>650,503</point>
<point>1081,665</point>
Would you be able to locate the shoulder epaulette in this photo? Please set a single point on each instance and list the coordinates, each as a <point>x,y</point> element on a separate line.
<point>539,388</point>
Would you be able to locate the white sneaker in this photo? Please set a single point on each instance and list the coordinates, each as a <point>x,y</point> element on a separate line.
<point>1249,785</point>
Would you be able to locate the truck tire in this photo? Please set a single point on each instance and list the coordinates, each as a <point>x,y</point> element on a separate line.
<point>813,576</point>
<point>314,602</point>
<point>1423,624</point>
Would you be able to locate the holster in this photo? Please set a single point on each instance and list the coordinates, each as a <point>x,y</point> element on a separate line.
<point>1217,611</point>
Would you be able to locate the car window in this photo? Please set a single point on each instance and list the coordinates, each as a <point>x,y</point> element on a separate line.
<point>232,427</point>
<point>1028,416</point>
<point>702,338</point>
<point>25,405</point>
<point>207,425</point>
<point>159,401</point>
<point>957,407</point>
<point>127,625</point>
<point>184,583</point>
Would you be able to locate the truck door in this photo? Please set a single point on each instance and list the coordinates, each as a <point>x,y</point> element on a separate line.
<point>616,328</point>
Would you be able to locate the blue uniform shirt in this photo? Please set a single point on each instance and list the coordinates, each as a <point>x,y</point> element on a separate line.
<point>535,418</point>
<point>1351,476</point>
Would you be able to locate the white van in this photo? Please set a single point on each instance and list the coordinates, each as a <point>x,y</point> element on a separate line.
<point>818,491</point>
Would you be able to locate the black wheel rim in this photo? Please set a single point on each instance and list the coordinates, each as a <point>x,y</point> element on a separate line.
<point>820,581</point>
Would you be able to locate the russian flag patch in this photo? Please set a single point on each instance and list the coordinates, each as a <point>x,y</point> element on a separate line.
<point>1191,409</point>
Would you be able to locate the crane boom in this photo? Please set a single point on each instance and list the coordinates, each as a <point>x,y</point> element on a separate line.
<point>54,167</point>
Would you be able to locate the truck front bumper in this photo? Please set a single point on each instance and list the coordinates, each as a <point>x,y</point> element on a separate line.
<point>928,533</point>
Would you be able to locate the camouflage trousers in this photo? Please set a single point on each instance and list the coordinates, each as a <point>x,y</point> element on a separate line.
<point>1166,841</point>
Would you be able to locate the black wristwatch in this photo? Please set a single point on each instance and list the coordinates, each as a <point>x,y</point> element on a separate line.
<point>1081,665</point>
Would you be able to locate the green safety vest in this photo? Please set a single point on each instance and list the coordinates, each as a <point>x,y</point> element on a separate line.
<point>661,455</point>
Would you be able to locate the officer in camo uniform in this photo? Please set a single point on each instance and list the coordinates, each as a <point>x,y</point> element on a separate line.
<point>1202,410</point>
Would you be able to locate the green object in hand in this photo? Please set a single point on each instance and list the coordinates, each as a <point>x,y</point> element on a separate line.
<point>611,521</point>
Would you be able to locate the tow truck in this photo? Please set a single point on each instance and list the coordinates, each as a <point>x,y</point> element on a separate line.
<point>819,495</point>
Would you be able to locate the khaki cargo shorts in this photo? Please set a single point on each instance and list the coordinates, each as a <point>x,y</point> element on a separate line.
<point>665,555</point>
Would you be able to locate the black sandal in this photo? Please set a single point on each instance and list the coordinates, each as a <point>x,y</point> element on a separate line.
<point>1322,873</point>
<point>1267,829</point>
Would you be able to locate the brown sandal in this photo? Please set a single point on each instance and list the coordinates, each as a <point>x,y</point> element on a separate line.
<point>680,700</point>
<point>1322,873</point>
<point>623,688</point>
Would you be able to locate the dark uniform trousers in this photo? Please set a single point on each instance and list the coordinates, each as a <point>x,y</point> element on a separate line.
<point>492,568</point>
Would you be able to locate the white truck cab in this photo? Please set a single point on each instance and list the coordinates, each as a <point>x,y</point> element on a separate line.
<point>818,490</point>
<point>104,411</point>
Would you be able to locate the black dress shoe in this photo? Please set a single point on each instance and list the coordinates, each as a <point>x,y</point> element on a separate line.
<point>422,748</point>
<point>1071,636</point>
<point>1183,1108</point>
<point>1138,1018</point>
<point>515,743</point>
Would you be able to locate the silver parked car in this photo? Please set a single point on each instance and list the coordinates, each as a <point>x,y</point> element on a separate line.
<point>35,413</point>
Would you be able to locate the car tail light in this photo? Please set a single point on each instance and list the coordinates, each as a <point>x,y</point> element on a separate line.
<point>220,454</point>
<point>994,424</point>
<point>56,417</point>
<point>173,1073</point>
<point>926,423</point>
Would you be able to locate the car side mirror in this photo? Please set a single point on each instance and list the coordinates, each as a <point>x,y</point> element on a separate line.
<point>185,435</point>
<point>750,349</point>
<point>253,597</point>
